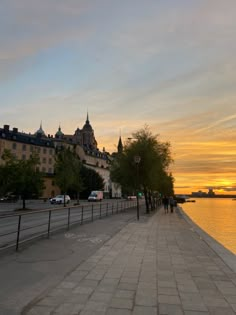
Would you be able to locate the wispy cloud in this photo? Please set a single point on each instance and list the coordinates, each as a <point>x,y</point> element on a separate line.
<point>169,65</point>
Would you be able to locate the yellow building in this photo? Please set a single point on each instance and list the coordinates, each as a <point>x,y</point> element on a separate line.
<point>83,141</point>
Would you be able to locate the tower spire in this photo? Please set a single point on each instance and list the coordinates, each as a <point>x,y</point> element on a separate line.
<point>87,119</point>
<point>120,145</point>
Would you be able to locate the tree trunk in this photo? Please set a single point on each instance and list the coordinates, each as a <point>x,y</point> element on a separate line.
<point>23,203</point>
<point>77,198</point>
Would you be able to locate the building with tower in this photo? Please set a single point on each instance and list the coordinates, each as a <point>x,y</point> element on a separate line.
<point>83,141</point>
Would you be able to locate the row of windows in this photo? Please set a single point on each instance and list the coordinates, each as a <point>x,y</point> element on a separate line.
<point>38,149</point>
<point>44,160</point>
<point>44,170</point>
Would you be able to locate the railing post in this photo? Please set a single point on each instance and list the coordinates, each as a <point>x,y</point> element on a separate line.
<point>18,233</point>
<point>68,220</point>
<point>112,208</point>
<point>92,212</point>
<point>100,211</point>
<point>117,207</point>
<point>49,222</point>
<point>107,210</point>
<point>82,215</point>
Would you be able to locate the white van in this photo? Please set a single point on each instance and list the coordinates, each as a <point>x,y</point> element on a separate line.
<point>96,195</point>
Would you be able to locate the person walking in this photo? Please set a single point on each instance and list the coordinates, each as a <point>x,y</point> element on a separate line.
<point>172,204</point>
<point>165,202</point>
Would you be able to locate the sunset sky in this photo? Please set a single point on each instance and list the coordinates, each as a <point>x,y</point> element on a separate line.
<point>169,64</point>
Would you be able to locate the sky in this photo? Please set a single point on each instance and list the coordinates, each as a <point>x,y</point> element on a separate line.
<point>168,64</point>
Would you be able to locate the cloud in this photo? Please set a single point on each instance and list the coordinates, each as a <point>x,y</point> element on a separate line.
<point>224,188</point>
<point>34,26</point>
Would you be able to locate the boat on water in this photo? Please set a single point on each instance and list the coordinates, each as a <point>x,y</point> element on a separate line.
<point>181,198</point>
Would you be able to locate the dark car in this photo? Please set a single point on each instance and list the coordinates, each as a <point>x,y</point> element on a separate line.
<point>8,198</point>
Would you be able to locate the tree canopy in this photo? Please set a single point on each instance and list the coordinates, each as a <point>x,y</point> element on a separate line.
<point>143,165</point>
<point>92,181</point>
<point>68,171</point>
<point>21,177</point>
<point>72,177</point>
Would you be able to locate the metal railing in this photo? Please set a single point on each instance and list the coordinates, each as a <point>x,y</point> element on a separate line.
<point>19,228</point>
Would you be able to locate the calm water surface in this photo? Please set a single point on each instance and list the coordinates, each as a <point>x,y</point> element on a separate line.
<point>217,217</point>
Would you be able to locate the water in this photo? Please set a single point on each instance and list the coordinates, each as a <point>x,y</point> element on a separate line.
<point>217,217</point>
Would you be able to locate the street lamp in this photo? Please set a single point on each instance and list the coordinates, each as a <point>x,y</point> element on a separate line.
<point>137,160</point>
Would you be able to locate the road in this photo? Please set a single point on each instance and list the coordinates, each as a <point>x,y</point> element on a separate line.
<point>44,218</point>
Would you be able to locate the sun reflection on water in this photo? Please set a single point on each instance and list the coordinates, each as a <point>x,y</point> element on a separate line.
<point>217,217</point>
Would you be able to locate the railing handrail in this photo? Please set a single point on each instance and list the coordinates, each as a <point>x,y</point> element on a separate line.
<point>31,211</point>
<point>97,212</point>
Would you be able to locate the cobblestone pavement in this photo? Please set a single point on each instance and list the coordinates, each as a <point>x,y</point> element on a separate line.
<point>154,266</point>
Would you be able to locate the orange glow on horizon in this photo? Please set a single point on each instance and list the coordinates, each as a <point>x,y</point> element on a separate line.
<point>198,165</point>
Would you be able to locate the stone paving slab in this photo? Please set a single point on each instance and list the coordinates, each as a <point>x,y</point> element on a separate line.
<point>157,266</point>
<point>41,265</point>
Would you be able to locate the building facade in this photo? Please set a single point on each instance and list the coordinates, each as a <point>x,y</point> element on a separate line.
<point>83,141</point>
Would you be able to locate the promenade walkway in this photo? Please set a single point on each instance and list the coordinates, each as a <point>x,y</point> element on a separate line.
<point>158,265</point>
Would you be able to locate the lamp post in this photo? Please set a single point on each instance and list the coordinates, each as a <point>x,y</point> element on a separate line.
<point>137,160</point>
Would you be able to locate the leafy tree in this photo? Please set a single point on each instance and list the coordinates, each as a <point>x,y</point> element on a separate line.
<point>21,177</point>
<point>7,172</point>
<point>77,184</point>
<point>150,174</point>
<point>91,180</point>
<point>67,171</point>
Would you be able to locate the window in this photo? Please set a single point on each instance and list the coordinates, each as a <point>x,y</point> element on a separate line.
<point>50,170</point>
<point>50,161</point>
<point>31,148</point>
<point>43,169</point>
<point>50,151</point>
<point>44,150</point>
<point>44,160</point>
<point>23,157</point>
<point>24,147</point>
<point>14,145</point>
<point>39,149</point>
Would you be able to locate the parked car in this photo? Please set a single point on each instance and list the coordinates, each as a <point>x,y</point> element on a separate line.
<point>59,199</point>
<point>131,197</point>
<point>8,198</point>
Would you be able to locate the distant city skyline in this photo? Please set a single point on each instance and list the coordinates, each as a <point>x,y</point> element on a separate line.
<point>170,65</point>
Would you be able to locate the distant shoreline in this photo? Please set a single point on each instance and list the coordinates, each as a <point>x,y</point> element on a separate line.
<point>215,196</point>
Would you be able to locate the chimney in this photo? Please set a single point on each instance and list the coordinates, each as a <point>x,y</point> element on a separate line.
<point>6,128</point>
<point>15,130</point>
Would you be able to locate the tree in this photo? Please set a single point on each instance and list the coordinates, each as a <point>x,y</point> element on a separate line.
<point>151,172</point>
<point>77,183</point>
<point>67,171</point>
<point>21,177</point>
<point>7,172</point>
<point>91,180</point>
